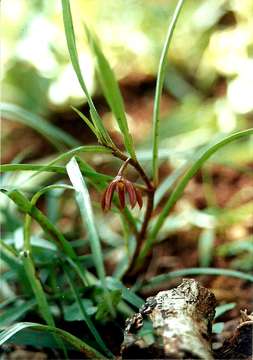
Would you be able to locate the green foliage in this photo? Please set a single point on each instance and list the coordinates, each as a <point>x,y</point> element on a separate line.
<point>156,280</point>
<point>56,136</point>
<point>111,92</point>
<point>71,42</point>
<point>159,87</point>
<point>84,202</point>
<point>84,348</point>
<point>56,266</point>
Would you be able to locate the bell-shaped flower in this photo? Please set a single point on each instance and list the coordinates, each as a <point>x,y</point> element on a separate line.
<point>123,187</point>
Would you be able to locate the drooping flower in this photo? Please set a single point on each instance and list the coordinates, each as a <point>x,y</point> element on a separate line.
<point>123,187</point>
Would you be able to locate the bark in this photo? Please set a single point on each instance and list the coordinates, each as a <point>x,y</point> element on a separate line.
<point>181,319</point>
<point>240,344</point>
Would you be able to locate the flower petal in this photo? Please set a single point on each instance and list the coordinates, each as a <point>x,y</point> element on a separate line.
<point>131,193</point>
<point>121,192</point>
<point>103,200</point>
<point>139,197</point>
<point>107,197</point>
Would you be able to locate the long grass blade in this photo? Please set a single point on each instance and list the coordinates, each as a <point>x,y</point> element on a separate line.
<point>87,121</point>
<point>85,316</point>
<point>54,135</point>
<point>68,154</point>
<point>37,288</point>
<point>39,293</point>
<point>111,92</point>
<point>71,42</point>
<point>179,189</point>
<point>159,87</point>
<point>84,202</point>
<point>159,279</point>
<point>16,312</point>
<point>78,344</point>
<point>94,175</point>
<point>25,206</point>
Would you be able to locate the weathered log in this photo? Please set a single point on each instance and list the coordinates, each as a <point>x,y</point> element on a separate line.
<point>181,320</point>
<point>240,344</point>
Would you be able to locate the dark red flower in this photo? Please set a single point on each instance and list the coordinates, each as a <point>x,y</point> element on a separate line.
<point>123,187</point>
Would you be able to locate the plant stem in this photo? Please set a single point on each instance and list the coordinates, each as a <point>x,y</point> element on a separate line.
<point>150,189</point>
<point>120,155</point>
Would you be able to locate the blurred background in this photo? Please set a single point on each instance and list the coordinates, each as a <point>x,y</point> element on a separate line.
<point>208,92</point>
<point>209,82</point>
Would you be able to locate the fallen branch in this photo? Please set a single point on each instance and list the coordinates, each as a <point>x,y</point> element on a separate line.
<point>240,344</point>
<point>179,325</point>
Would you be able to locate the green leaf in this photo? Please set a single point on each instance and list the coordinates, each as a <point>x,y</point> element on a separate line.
<point>179,189</point>
<point>157,280</point>
<point>15,312</point>
<point>167,184</point>
<point>39,292</point>
<point>111,92</point>
<point>72,312</point>
<point>159,87</point>
<point>87,121</point>
<point>222,309</point>
<point>27,207</point>
<point>217,328</point>
<point>56,136</point>
<point>30,337</point>
<point>102,310</point>
<point>85,316</point>
<point>78,344</point>
<point>37,288</point>
<point>236,247</point>
<point>68,154</point>
<point>84,203</point>
<point>205,247</point>
<point>90,174</point>
<point>127,294</point>
<point>71,42</point>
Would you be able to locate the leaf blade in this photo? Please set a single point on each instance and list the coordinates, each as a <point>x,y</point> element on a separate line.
<point>181,185</point>
<point>71,339</point>
<point>111,92</point>
<point>53,134</point>
<point>71,43</point>
<point>159,86</point>
<point>84,203</point>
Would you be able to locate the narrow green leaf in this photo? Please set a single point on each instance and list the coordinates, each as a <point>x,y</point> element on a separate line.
<point>30,337</point>
<point>26,207</point>
<point>179,189</point>
<point>127,294</point>
<point>85,316</point>
<point>167,184</point>
<point>37,288</point>
<point>222,309</point>
<point>15,312</point>
<point>84,202</point>
<point>87,121</point>
<point>205,247</point>
<point>39,293</point>
<point>90,174</point>
<point>56,136</point>
<point>159,87</point>
<point>68,154</point>
<point>111,92</point>
<point>71,42</point>
<point>78,344</point>
<point>157,280</point>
